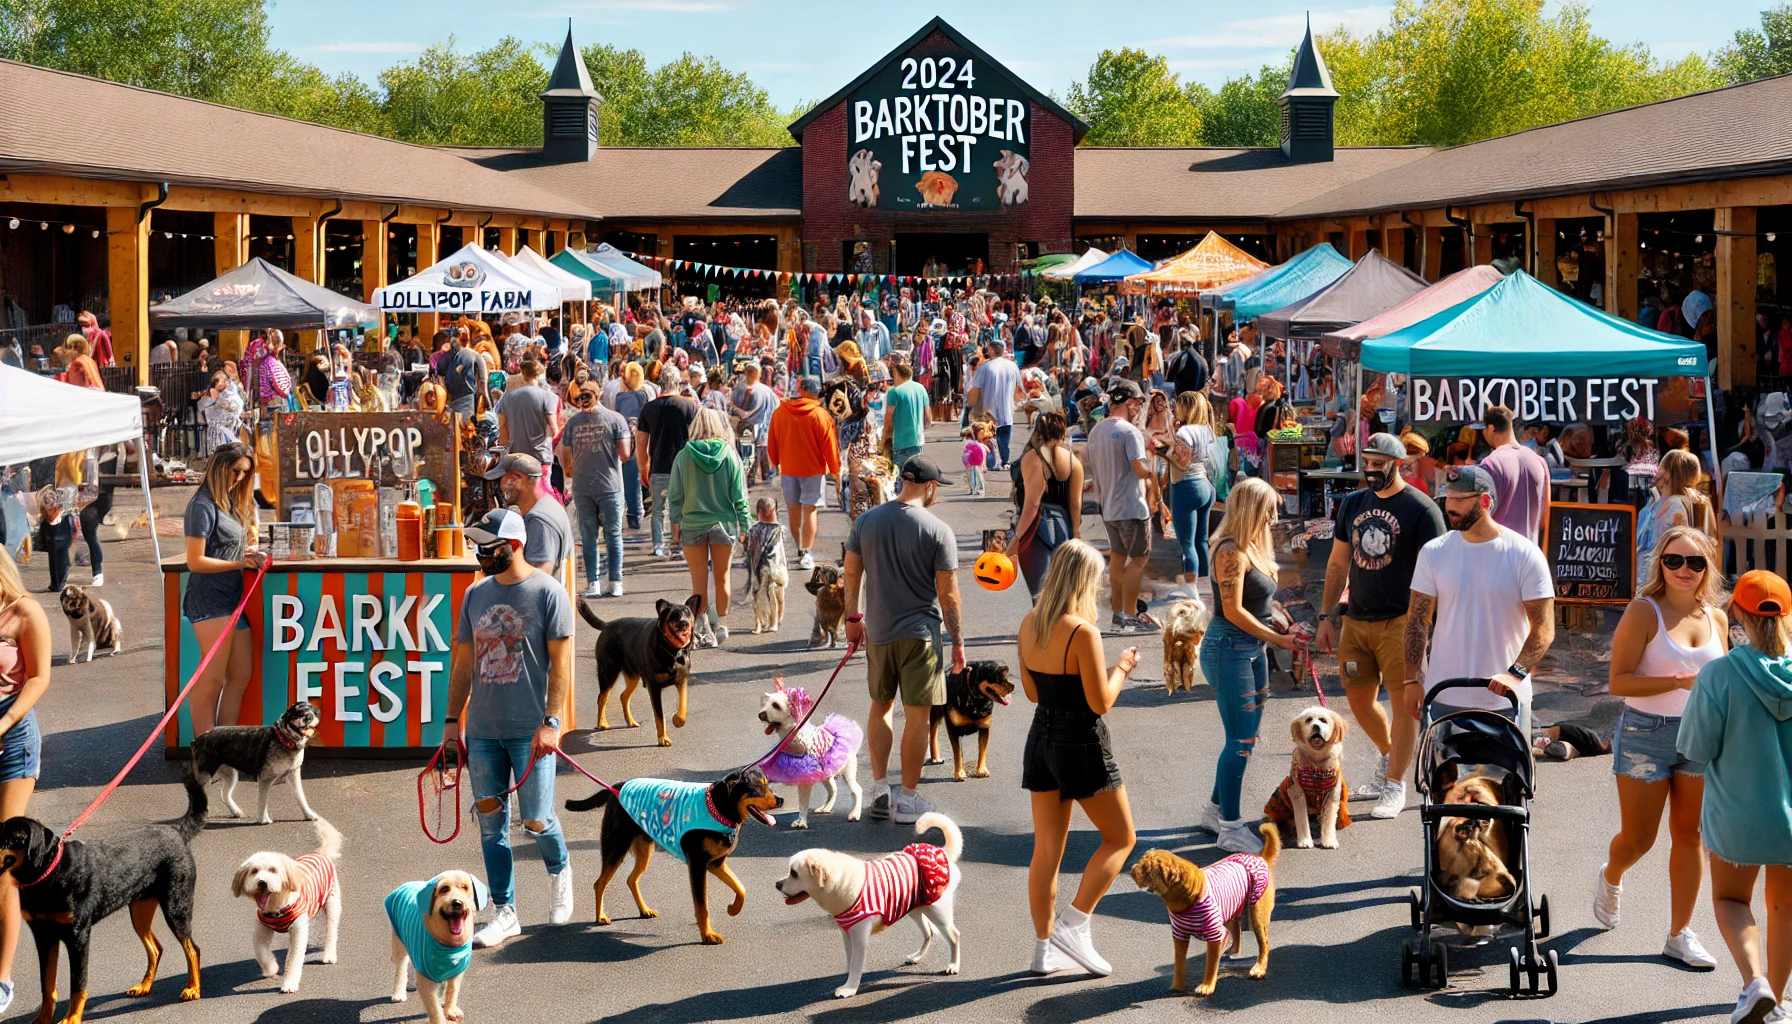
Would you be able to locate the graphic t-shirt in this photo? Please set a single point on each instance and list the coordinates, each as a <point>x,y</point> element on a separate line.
<point>1481,623</point>
<point>1385,537</point>
<point>509,625</point>
<point>591,437</point>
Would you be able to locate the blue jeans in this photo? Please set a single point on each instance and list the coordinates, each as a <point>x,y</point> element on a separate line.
<point>1237,667</point>
<point>1190,499</point>
<point>592,510</point>
<point>493,763</point>
<point>905,454</point>
<point>662,513</point>
<point>631,493</point>
<point>1002,435</point>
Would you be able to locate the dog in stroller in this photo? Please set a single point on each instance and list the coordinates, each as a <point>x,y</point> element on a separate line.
<point>1475,782</point>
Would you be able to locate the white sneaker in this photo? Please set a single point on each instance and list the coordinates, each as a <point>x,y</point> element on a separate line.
<point>910,808</point>
<point>503,925</point>
<point>99,579</point>
<point>1376,786</point>
<point>1238,837</point>
<point>721,634</point>
<point>1756,1004</point>
<point>1048,959</point>
<point>1392,802</point>
<point>592,589</point>
<point>5,995</point>
<point>1077,944</point>
<point>615,588</point>
<point>1605,900</point>
<point>880,801</point>
<point>805,560</point>
<point>659,551</point>
<point>560,903</point>
<point>1210,818</point>
<point>1686,948</point>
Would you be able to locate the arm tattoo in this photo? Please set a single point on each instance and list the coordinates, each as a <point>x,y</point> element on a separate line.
<point>1542,614</point>
<point>1418,631</point>
<point>949,612</point>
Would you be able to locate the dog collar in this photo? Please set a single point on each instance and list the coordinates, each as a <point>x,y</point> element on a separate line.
<point>714,811</point>
<point>285,741</point>
<point>57,859</point>
<point>674,643</point>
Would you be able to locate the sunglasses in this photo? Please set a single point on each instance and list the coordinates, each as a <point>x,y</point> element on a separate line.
<point>1696,563</point>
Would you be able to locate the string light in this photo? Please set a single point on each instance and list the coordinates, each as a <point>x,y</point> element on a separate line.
<point>14,223</point>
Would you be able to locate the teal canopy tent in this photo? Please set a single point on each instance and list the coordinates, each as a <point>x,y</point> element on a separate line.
<point>1117,267</point>
<point>603,279</point>
<point>1279,286</point>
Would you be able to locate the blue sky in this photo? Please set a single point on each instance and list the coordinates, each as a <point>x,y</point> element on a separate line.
<point>802,50</point>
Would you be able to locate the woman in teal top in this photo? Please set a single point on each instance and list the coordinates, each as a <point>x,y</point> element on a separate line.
<point>707,497</point>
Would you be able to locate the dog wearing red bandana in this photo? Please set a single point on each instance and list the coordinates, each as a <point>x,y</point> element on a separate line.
<point>654,651</point>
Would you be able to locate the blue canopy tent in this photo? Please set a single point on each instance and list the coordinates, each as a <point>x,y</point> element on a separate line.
<point>1280,286</point>
<point>1522,326</point>
<point>1115,268</point>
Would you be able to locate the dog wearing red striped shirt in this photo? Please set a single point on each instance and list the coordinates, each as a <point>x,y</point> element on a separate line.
<point>1210,904</point>
<point>916,882</point>
<point>289,894</point>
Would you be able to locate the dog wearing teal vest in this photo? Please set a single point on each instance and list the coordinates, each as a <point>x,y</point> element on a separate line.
<point>432,930</point>
<point>696,822</point>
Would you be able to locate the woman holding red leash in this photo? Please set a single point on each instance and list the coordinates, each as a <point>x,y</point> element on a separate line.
<point>221,536</point>
<point>24,676</point>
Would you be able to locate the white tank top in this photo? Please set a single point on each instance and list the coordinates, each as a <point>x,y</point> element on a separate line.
<point>1664,657</point>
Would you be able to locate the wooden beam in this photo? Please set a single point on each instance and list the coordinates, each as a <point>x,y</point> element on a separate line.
<point>428,243</point>
<point>1621,266</point>
<point>507,239</point>
<point>54,190</point>
<point>1734,192</point>
<point>1431,252</point>
<point>308,263</point>
<point>1544,247</point>
<point>127,284</point>
<point>1393,239</point>
<point>1736,279</point>
<point>230,250</point>
<point>373,258</point>
<point>1358,243</point>
<point>213,200</point>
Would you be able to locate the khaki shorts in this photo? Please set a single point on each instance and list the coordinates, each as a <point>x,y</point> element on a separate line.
<point>1373,653</point>
<point>909,667</point>
<point>1129,537</point>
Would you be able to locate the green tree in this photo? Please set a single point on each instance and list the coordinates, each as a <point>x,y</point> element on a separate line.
<point>488,98</point>
<point>199,48</point>
<point>1244,111</point>
<point>690,101</point>
<point>1757,54</point>
<point>292,88</point>
<point>1132,98</point>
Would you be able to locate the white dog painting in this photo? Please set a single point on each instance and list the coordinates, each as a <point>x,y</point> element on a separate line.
<point>861,187</point>
<point>1011,178</point>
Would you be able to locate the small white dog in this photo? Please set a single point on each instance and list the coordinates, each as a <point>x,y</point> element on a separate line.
<point>917,882</point>
<point>861,185</point>
<point>1315,783</point>
<point>288,894</point>
<point>768,575</point>
<point>817,753</point>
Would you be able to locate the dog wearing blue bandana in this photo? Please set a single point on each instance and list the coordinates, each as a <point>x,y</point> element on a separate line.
<point>696,822</point>
<point>432,930</point>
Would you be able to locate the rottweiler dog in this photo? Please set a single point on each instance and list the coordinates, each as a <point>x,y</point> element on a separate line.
<point>971,699</point>
<point>828,584</point>
<point>656,650</point>
<point>697,823</point>
<point>65,886</point>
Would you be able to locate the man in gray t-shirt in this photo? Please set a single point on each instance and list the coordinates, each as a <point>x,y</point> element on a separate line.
<point>549,539</point>
<point>594,448</point>
<point>1122,467</point>
<point>910,558</point>
<point>529,416</point>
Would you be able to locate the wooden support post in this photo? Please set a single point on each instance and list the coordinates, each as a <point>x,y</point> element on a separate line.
<point>230,250</point>
<point>308,263</point>
<point>429,238</point>
<point>127,282</point>
<point>507,241</point>
<point>1481,246</point>
<point>373,258</point>
<point>1543,244</point>
<point>1359,244</point>
<point>1622,266</point>
<point>1393,241</point>
<point>1432,251</point>
<point>1737,274</point>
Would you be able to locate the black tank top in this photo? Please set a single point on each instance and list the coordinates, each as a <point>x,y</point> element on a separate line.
<point>1057,492</point>
<point>1258,590</point>
<point>1062,691</point>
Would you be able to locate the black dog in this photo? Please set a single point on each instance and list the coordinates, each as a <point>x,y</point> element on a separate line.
<point>971,699</point>
<point>677,814</point>
<point>264,754</point>
<point>65,886</point>
<point>656,650</point>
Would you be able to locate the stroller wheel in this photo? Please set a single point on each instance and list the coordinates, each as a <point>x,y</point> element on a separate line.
<point>1549,972</point>
<point>1540,916</point>
<point>1439,965</point>
<point>1409,962</point>
<point>1514,969</point>
<point>1417,905</point>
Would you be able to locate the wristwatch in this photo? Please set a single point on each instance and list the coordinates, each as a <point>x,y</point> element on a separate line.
<point>551,721</point>
<point>1515,669</point>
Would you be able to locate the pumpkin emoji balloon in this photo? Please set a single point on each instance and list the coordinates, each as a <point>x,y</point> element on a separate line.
<point>994,571</point>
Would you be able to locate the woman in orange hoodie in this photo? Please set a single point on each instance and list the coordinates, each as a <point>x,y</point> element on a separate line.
<point>801,442</point>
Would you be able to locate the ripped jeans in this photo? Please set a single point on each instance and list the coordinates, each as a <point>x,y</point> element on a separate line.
<point>1237,666</point>
<point>492,765</point>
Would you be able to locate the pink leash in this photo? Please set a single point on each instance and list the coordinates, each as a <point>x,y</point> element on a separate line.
<point>1303,653</point>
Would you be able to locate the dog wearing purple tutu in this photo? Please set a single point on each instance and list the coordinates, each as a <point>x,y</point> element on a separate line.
<point>814,754</point>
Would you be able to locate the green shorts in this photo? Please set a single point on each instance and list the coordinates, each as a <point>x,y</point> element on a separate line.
<point>910,667</point>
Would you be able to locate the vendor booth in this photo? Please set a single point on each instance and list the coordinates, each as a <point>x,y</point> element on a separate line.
<point>573,288</point>
<point>1113,270</point>
<point>1068,271</point>
<point>1280,285</point>
<point>471,282</point>
<point>1212,263</point>
<point>260,295</point>
<point>610,274</point>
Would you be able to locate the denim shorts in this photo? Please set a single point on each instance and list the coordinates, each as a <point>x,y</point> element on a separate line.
<point>21,748</point>
<point>1070,752</point>
<point>1643,748</point>
<point>715,535</point>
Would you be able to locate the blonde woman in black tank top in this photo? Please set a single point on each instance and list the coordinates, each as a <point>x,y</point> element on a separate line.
<point>1068,755</point>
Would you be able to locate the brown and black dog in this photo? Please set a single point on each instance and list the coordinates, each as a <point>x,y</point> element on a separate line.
<point>971,699</point>
<point>1472,852</point>
<point>1181,884</point>
<point>828,584</point>
<point>656,650</point>
<point>698,824</point>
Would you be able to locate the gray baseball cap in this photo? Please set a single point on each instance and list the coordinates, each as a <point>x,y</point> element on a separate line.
<point>1385,444</point>
<point>515,462</point>
<point>1467,480</point>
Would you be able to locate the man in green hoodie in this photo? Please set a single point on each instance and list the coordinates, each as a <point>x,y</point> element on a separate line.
<point>1738,721</point>
<point>707,499</point>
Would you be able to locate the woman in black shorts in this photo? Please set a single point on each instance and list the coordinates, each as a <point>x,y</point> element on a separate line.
<point>221,536</point>
<point>1068,755</point>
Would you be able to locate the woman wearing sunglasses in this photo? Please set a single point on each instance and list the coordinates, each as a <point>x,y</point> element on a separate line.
<point>1670,630</point>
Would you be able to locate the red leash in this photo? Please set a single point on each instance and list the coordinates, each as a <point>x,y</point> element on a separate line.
<point>1303,652</point>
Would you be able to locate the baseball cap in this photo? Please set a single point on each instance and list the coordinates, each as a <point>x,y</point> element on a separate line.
<point>1462,480</point>
<point>922,470</point>
<point>1760,592</point>
<point>1123,391</point>
<point>515,462</point>
<point>1385,444</point>
<point>498,524</point>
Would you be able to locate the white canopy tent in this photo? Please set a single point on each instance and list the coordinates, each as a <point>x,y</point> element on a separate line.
<point>470,282</point>
<point>573,288</point>
<point>42,416</point>
<point>1067,271</point>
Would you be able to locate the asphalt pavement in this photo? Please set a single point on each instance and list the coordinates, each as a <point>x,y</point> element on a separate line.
<point>1339,919</point>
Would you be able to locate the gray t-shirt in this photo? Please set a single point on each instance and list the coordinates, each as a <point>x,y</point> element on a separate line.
<point>591,437</point>
<point>529,412</point>
<point>509,625</point>
<point>997,379</point>
<point>1114,445</point>
<point>213,594</point>
<point>759,402</point>
<point>903,546</point>
<point>549,532</point>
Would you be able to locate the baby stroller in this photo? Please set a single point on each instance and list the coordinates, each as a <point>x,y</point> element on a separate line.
<point>1451,747</point>
<point>746,445</point>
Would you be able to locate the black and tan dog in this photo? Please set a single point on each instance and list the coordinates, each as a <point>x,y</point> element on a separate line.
<point>656,651</point>
<point>971,699</point>
<point>264,754</point>
<point>699,824</point>
<point>67,886</point>
<point>828,584</point>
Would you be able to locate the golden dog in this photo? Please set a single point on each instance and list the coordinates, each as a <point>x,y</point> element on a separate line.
<point>1182,644</point>
<point>1182,885</point>
<point>1315,786</point>
<point>448,921</point>
<point>1471,852</point>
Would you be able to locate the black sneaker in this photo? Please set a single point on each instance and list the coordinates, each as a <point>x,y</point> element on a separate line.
<point>880,802</point>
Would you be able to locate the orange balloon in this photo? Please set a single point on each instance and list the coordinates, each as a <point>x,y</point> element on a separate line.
<point>994,571</point>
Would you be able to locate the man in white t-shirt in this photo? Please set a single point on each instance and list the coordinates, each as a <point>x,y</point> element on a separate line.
<point>1491,595</point>
<point>994,387</point>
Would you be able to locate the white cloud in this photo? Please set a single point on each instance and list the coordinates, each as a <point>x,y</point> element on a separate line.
<point>359,46</point>
<point>1277,32</point>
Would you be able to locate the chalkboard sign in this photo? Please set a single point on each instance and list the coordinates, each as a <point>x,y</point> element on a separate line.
<point>1592,552</point>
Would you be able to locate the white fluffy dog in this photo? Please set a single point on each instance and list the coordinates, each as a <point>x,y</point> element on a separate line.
<point>1011,178</point>
<point>861,187</point>
<point>288,894</point>
<point>1315,783</point>
<point>917,882</point>
<point>817,753</point>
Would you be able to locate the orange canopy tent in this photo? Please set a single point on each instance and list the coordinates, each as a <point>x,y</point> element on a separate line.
<point>1214,263</point>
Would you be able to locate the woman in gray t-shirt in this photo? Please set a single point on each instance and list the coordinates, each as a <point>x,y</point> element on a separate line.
<point>221,540</point>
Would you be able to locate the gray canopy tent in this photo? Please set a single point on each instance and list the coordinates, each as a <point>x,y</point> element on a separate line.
<point>259,294</point>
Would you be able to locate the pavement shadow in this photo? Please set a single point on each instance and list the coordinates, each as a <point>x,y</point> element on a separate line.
<point>592,944</point>
<point>1310,972</point>
<point>307,1011</point>
<point>89,757</point>
<point>731,1004</point>
<point>213,979</point>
